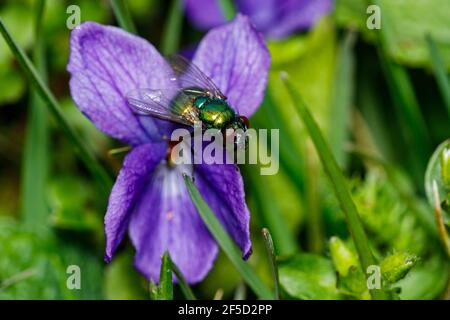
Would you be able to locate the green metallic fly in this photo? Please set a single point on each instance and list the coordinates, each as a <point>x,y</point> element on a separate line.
<point>193,97</point>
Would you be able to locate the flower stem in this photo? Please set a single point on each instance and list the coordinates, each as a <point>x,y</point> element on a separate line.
<point>123,15</point>
<point>172,29</point>
<point>98,172</point>
<point>338,182</point>
<point>225,242</point>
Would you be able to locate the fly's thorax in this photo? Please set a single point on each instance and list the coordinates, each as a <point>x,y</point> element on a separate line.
<point>215,113</point>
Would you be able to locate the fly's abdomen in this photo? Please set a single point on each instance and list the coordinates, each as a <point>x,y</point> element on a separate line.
<point>216,113</point>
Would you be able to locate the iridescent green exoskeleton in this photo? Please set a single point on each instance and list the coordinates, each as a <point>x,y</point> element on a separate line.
<point>191,97</point>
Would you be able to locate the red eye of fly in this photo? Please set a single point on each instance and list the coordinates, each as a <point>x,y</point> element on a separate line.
<point>245,120</point>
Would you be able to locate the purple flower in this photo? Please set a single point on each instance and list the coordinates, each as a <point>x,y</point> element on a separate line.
<point>149,197</point>
<point>275,18</point>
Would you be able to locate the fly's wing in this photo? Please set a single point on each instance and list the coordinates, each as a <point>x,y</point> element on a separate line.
<point>190,76</point>
<point>159,103</point>
<point>175,103</point>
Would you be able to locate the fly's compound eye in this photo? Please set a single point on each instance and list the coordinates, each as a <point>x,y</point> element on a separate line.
<point>245,121</point>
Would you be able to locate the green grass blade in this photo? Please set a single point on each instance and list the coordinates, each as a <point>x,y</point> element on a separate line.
<point>315,232</point>
<point>172,29</point>
<point>407,106</point>
<point>273,260</point>
<point>123,15</point>
<point>338,182</point>
<point>98,172</point>
<point>35,156</point>
<point>228,9</point>
<point>226,243</point>
<point>439,71</point>
<point>343,98</point>
<point>165,278</point>
<point>164,290</point>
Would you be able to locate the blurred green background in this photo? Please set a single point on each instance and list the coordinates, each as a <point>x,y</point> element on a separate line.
<point>374,94</point>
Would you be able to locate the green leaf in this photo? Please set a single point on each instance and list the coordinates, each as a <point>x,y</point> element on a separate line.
<point>35,156</point>
<point>308,276</point>
<point>120,8</point>
<point>338,182</point>
<point>98,172</point>
<point>396,266</point>
<point>172,29</point>
<point>409,22</point>
<point>225,242</point>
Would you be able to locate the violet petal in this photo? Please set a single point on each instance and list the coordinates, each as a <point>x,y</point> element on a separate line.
<point>136,170</point>
<point>204,14</point>
<point>106,63</point>
<point>236,58</point>
<point>165,218</point>
<point>283,19</point>
<point>223,189</point>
